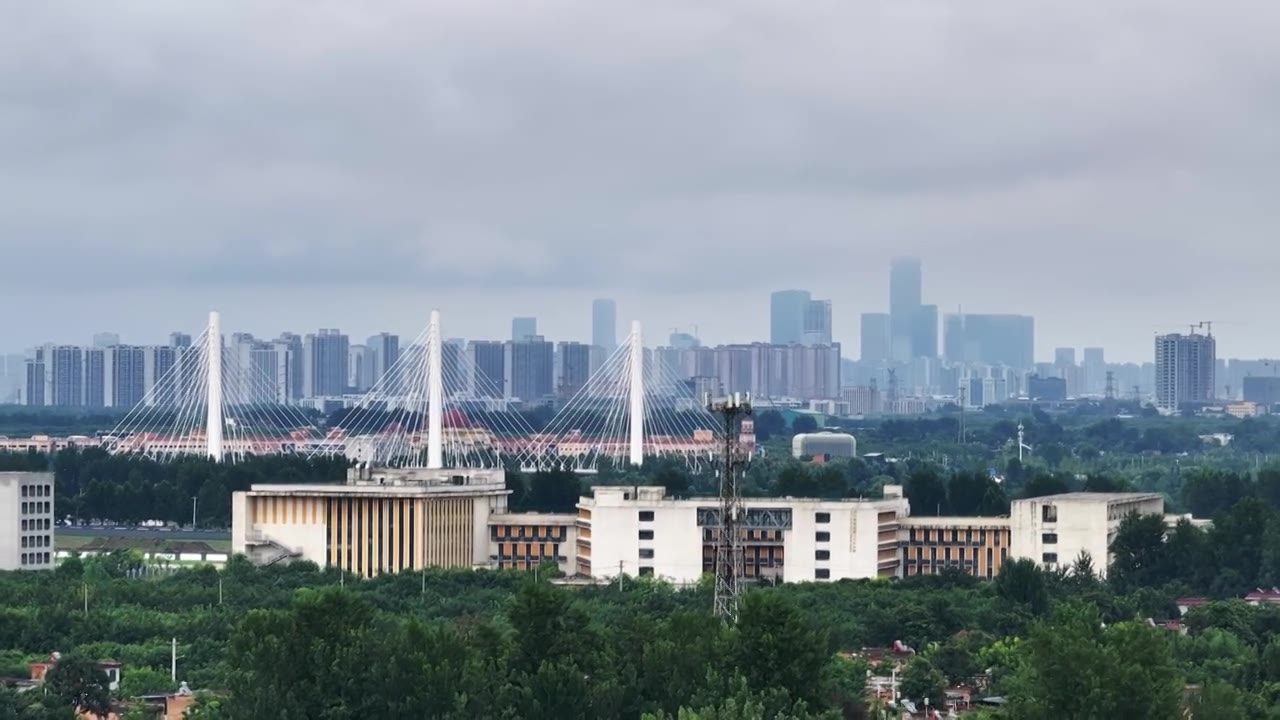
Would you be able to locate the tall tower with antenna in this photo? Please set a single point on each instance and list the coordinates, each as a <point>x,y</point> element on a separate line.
<point>729,563</point>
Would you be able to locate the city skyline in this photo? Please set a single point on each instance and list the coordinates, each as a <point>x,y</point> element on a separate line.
<point>690,192</point>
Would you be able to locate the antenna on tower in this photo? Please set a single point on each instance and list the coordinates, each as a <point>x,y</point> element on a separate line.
<point>729,565</point>
<point>1110,392</point>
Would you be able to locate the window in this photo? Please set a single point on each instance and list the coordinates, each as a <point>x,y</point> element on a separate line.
<point>821,536</point>
<point>24,541</point>
<point>1049,513</point>
<point>24,558</point>
<point>1049,557</point>
<point>24,491</point>
<point>646,553</point>
<point>646,571</point>
<point>1049,538</point>
<point>24,524</point>
<point>48,491</point>
<point>822,555</point>
<point>646,534</point>
<point>822,574</point>
<point>24,508</point>
<point>822,518</point>
<point>911,535</point>
<point>646,516</point>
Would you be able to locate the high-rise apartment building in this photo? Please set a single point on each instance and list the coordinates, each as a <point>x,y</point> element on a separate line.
<point>125,375</point>
<point>325,364</point>
<point>290,350</point>
<point>66,375</point>
<point>159,375</point>
<point>1064,357</point>
<point>1094,367</point>
<point>360,368</point>
<point>386,351</point>
<point>924,332</point>
<point>179,340</point>
<point>488,368</point>
<point>523,329</point>
<point>817,322</point>
<point>787,310</point>
<point>573,368</point>
<point>37,370</point>
<point>95,377</point>
<point>1185,367</point>
<point>530,368</point>
<point>904,303</point>
<point>604,325</point>
<point>990,340</point>
<point>875,337</point>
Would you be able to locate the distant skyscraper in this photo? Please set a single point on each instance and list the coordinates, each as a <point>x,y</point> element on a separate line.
<point>386,351</point>
<point>1184,369</point>
<point>360,368</point>
<point>105,339</point>
<point>523,329</point>
<point>125,375</point>
<point>924,332</point>
<point>530,368</point>
<point>990,340</point>
<point>1064,357</point>
<point>573,368</point>
<point>875,337</point>
<point>37,373</point>
<point>66,375</point>
<point>817,322</point>
<point>1095,370</point>
<point>179,340</point>
<point>488,363</point>
<point>158,362</point>
<point>904,303</point>
<point>325,364</point>
<point>683,341</point>
<point>291,351</point>
<point>787,310</point>
<point>95,377</point>
<point>604,325</point>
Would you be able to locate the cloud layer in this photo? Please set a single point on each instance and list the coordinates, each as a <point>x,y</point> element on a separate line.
<point>1109,167</point>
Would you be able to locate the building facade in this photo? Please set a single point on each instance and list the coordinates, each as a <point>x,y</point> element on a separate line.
<point>641,531</point>
<point>978,546</point>
<point>786,316</point>
<point>1055,529</point>
<point>380,521</point>
<point>325,371</point>
<point>26,522</point>
<point>1185,367</point>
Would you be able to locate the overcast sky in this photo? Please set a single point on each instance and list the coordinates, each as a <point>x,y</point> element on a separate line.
<point>1112,168</point>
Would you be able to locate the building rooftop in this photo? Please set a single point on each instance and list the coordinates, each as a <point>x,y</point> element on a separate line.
<point>1094,497</point>
<point>533,518</point>
<point>956,521</point>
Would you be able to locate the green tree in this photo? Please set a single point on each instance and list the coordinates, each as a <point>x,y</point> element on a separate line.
<point>777,647</point>
<point>1218,701</point>
<point>927,492</point>
<point>77,682</point>
<point>1140,557</point>
<point>1021,582</point>
<point>921,681</point>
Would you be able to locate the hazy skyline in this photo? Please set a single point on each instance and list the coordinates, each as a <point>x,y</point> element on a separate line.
<point>1107,168</point>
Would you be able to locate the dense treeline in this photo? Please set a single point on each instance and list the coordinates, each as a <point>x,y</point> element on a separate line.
<point>296,642</point>
<point>93,484</point>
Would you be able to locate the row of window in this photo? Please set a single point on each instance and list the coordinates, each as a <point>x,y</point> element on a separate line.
<point>36,507</point>
<point>1049,538</point>
<point>37,524</point>
<point>37,491</point>
<point>35,558</point>
<point>953,536</point>
<point>36,541</point>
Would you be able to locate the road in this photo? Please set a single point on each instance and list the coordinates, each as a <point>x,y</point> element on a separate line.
<point>145,533</point>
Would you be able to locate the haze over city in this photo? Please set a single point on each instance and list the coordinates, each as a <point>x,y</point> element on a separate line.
<point>1109,174</point>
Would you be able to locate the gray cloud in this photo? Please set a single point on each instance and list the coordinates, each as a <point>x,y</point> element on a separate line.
<point>1108,167</point>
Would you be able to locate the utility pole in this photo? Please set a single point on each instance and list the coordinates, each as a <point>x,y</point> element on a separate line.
<point>193,511</point>
<point>963,402</point>
<point>729,565</point>
<point>173,662</point>
<point>219,590</point>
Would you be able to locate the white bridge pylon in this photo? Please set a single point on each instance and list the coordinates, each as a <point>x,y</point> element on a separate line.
<point>432,409</point>
<point>631,409</point>
<point>206,402</point>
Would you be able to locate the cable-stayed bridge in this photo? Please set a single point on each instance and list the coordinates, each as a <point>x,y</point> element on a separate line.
<point>433,408</point>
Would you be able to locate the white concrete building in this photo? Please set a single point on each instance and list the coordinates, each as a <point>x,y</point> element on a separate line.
<point>640,531</point>
<point>1054,530</point>
<point>26,521</point>
<point>382,520</point>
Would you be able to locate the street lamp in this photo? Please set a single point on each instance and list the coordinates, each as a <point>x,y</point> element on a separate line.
<point>193,512</point>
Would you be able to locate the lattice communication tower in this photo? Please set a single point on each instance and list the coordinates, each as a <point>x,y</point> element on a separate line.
<point>729,564</point>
